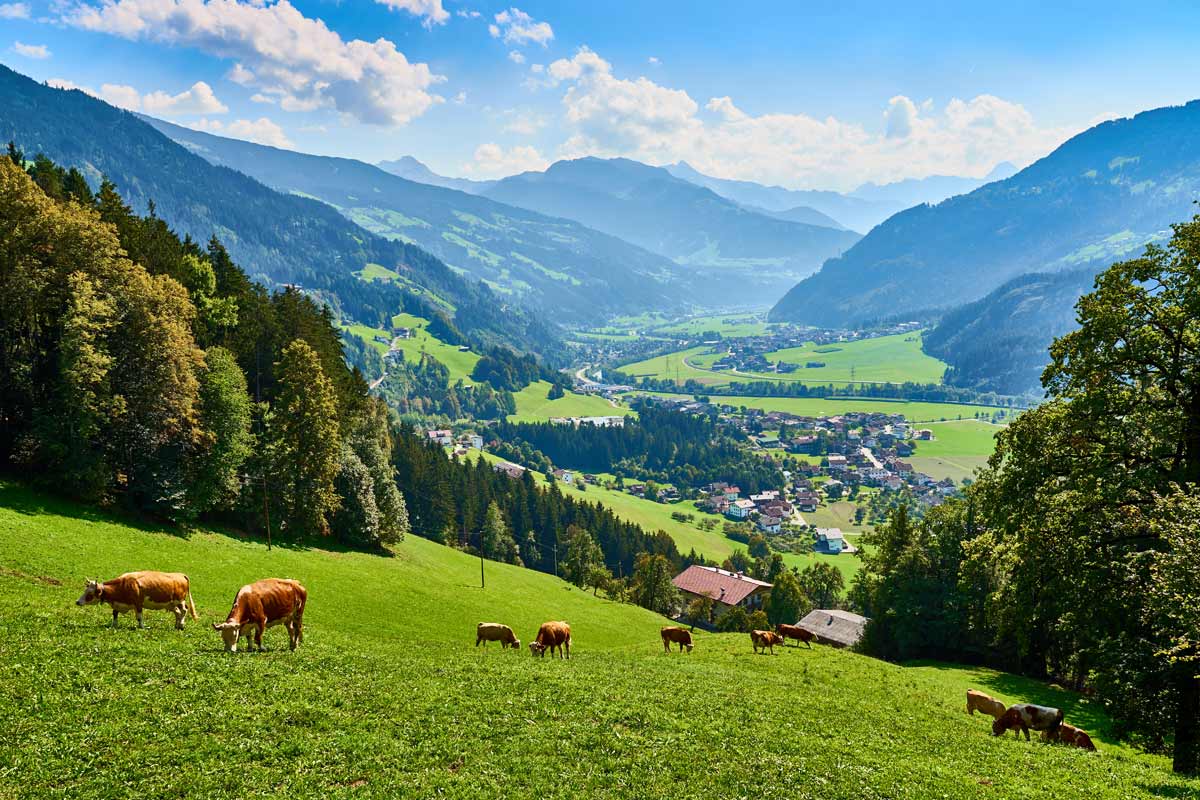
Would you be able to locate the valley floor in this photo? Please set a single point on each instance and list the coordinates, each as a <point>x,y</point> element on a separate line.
<point>388,697</point>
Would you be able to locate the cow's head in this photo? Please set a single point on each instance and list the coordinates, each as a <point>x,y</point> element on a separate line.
<point>516,644</point>
<point>230,631</point>
<point>537,648</point>
<point>91,594</point>
<point>1003,722</point>
<point>689,647</point>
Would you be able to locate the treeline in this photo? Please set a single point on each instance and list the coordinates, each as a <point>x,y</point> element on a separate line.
<point>448,501</point>
<point>420,390</point>
<point>1073,555</point>
<point>505,369</point>
<point>662,444</point>
<point>927,392</point>
<point>142,370</point>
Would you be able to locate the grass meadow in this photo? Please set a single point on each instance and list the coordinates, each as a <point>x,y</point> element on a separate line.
<point>389,697</point>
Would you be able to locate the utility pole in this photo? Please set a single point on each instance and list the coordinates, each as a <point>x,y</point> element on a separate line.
<point>482,584</point>
<point>555,546</point>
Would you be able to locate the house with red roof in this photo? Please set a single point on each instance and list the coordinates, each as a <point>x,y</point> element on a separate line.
<point>726,589</point>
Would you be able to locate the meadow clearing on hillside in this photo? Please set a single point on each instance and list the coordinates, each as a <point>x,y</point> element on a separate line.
<point>958,449</point>
<point>389,697</point>
<point>913,410</point>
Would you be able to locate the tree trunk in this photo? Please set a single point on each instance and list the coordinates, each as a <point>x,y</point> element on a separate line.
<point>1187,720</point>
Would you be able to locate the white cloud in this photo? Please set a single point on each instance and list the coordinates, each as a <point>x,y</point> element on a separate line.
<point>514,26</point>
<point>493,161</point>
<point>261,130</point>
<point>14,11</point>
<point>431,10</point>
<point>197,100</point>
<point>523,123</point>
<point>258,97</point>
<point>114,94</point>
<point>516,56</point>
<point>468,14</point>
<point>653,60</point>
<point>37,51</point>
<point>275,47</point>
<point>610,116</point>
<point>460,98</point>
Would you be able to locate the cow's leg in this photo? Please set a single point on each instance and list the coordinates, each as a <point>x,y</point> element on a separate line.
<point>1026,730</point>
<point>478,639</point>
<point>180,615</point>
<point>139,617</point>
<point>258,632</point>
<point>114,622</point>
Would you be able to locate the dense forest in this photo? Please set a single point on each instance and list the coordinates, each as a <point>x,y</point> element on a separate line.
<point>1073,555</point>
<point>687,450</point>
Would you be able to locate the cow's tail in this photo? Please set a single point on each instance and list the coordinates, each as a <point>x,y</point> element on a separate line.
<point>300,616</point>
<point>191,602</point>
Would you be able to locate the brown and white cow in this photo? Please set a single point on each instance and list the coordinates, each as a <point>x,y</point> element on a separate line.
<point>1069,734</point>
<point>495,632</point>
<point>136,591</point>
<point>1026,717</point>
<point>978,701</point>
<point>261,605</point>
<point>765,640</point>
<point>795,632</point>
<point>672,634</point>
<point>551,635</point>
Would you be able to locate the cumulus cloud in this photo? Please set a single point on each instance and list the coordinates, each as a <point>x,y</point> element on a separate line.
<point>197,100</point>
<point>493,161</point>
<point>261,130</point>
<point>516,56</point>
<point>468,13</point>
<point>277,49</point>
<point>37,51</point>
<point>523,123</point>
<point>14,11</point>
<point>430,10</point>
<point>653,61</point>
<point>607,115</point>
<point>115,94</point>
<point>514,26</point>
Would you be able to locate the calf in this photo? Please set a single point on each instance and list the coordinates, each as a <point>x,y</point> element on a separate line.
<point>765,640</point>
<point>495,632</point>
<point>1026,717</point>
<point>680,636</point>
<point>135,591</point>
<point>795,632</point>
<point>1069,734</point>
<point>978,701</point>
<point>551,635</point>
<point>262,605</point>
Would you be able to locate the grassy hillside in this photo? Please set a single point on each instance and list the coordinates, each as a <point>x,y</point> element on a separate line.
<point>535,405</point>
<point>913,410</point>
<point>388,697</point>
<point>958,448</point>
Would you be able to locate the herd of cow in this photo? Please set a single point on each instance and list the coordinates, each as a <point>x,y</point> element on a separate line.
<point>1024,717</point>
<point>280,601</point>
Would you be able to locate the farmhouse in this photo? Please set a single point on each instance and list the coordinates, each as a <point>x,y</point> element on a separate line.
<point>770,524</point>
<point>740,509</point>
<point>725,589</point>
<point>834,627</point>
<point>830,540</point>
<point>444,438</point>
<point>510,469</point>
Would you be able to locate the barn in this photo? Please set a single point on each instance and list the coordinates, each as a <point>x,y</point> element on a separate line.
<point>834,626</point>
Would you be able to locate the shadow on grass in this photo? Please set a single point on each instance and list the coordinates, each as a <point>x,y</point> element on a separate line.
<point>1167,790</point>
<point>1077,709</point>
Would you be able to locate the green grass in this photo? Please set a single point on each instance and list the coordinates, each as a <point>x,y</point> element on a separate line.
<point>728,325</point>
<point>368,334</point>
<point>377,272</point>
<point>959,448</point>
<point>678,367</point>
<point>534,405</point>
<point>913,410</point>
<point>388,697</point>
<point>460,363</point>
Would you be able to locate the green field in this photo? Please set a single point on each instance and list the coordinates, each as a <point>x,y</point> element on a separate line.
<point>460,363</point>
<point>389,697</point>
<point>883,359</point>
<point>958,449</point>
<point>913,410</point>
<point>728,325</point>
<point>534,405</point>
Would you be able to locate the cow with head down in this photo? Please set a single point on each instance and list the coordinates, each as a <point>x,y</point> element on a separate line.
<point>1070,735</point>
<point>261,605</point>
<point>137,591</point>
<point>495,632</point>
<point>673,634</point>
<point>549,636</point>
<point>765,640</point>
<point>1026,717</point>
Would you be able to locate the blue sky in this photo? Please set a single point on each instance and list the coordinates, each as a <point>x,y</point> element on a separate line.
<point>804,94</point>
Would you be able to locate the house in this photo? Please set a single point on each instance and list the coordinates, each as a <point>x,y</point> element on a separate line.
<point>444,438</point>
<point>830,540</point>
<point>510,469</point>
<point>741,509</point>
<point>637,489</point>
<point>807,500</point>
<point>732,493</point>
<point>402,333</point>
<point>837,462</point>
<point>835,627</point>
<point>770,524</point>
<point>924,434</point>
<point>563,475</point>
<point>475,441</point>
<point>716,504</point>
<point>763,498</point>
<point>668,493</point>
<point>725,589</point>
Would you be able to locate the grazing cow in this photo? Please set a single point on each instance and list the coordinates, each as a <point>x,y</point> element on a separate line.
<point>765,640</point>
<point>261,605</point>
<point>1069,734</point>
<point>1026,717</point>
<point>135,591</point>
<point>978,701</point>
<point>795,632</point>
<point>552,635</point>
<point>495,632</point>
<point>680,636</point>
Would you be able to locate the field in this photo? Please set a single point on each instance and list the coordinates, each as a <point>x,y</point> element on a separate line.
<point>534,405</point>
<point>913,410</point>
<point>883,359</point>
<point>728,325</point>
<point>958,449</point>
<point>460,363</point>
<point>388,697</point>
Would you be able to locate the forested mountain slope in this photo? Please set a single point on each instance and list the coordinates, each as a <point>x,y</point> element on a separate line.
<point>279,238</point>
<point>1101,195</point>
<point>563,269</point>
<point>716,239</point>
